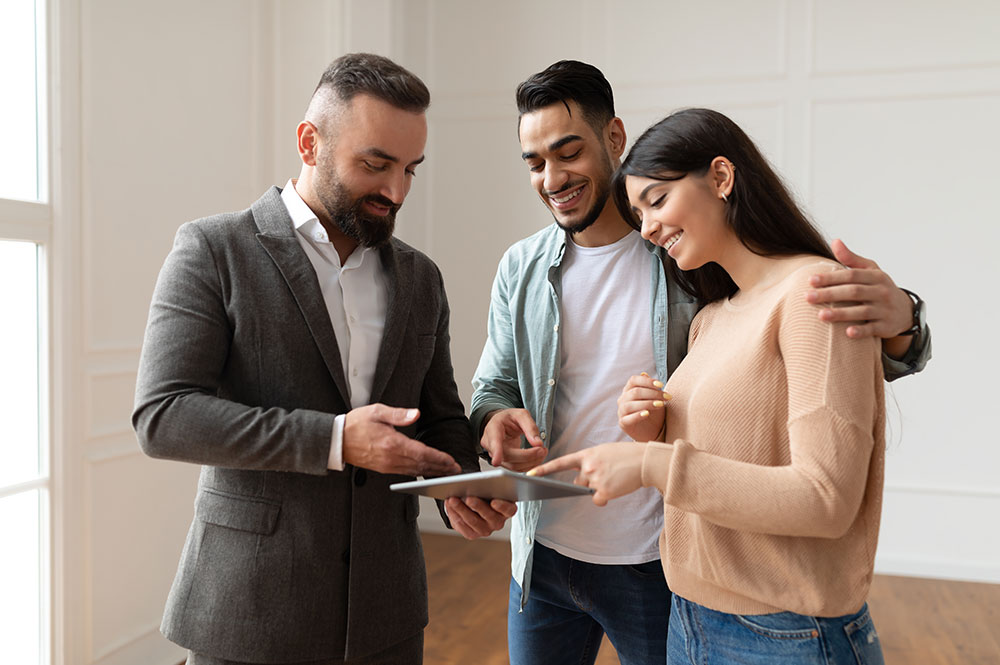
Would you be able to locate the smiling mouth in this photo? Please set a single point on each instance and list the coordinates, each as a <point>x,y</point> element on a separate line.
<point>561,201</point>
<point>672,240</point>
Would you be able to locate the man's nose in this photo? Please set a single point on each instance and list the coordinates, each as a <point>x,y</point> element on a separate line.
<point>396,186</point>
<point>555,178</point>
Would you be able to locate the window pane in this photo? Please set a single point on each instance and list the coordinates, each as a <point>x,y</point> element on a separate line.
<point>20,450</point>
<point>19,110</point>
<point>20,578</point>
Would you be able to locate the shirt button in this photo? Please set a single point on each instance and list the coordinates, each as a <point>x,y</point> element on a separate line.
<point>552,382</point>
<point>542,435</point>
<point>354,372</point>
<point>528,540</point>
<point>353,320</point>
<point>556,327</point>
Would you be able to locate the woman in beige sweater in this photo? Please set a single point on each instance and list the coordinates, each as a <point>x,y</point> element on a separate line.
<point>772,474</point>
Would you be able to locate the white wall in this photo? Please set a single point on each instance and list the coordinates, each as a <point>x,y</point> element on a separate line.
<point>882,118</point>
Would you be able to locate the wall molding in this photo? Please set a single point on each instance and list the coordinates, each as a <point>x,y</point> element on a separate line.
<point>948,490</point>
<point>111,454</point>
<point>908,565</point>
<point>92,377</point>
<point>124,642</point>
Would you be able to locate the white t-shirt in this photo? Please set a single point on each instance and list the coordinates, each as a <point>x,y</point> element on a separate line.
<point>605,337</point>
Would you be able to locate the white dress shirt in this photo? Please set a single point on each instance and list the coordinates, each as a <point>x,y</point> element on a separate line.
<point>356,296</point>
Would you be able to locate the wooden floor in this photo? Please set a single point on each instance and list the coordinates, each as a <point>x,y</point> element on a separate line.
<point>920,622</point>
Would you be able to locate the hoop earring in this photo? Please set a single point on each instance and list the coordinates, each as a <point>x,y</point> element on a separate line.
<point>725,200</point>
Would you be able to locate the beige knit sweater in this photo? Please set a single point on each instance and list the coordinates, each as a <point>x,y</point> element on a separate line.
<point>773,483</point>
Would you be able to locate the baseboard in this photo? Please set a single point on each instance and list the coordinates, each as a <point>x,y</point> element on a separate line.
<point>933,568</point>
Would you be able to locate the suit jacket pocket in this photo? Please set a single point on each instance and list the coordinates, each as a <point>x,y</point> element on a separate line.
<point>243,513</point>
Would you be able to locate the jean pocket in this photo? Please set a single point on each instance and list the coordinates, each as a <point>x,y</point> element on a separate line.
<point>781,625</point>
<point>864,639</point>
<point>648,570</point>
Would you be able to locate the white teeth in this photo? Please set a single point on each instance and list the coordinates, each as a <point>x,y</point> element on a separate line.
<point>575,193</point>
<point>672,240</point>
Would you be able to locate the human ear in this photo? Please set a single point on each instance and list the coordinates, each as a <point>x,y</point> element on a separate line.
<point>723,176</point>
<point>614,134</point>
<point>307,139</point>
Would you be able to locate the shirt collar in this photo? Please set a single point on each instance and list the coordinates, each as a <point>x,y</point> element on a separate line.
<point>300,213</point>
<point>305,221</point>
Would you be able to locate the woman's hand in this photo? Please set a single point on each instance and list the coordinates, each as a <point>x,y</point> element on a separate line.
<point>642,408</point>
<point>613,469</point>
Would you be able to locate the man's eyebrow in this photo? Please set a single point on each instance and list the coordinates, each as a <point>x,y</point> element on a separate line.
<point>554,146</point>
<point>375,152</point>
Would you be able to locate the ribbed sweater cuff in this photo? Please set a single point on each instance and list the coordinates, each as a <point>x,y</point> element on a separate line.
<point>656,464</point>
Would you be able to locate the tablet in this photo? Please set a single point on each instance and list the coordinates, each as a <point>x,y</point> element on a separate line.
<point>493,484</point>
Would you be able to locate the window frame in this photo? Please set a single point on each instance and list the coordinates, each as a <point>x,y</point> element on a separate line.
<point>33,222</point>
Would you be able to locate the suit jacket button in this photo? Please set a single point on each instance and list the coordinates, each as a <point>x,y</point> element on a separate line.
<point>360,477</point>
<point>346,556</point>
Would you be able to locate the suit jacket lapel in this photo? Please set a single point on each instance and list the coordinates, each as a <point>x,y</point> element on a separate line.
<point>277,237</point>
<point>398,267</point>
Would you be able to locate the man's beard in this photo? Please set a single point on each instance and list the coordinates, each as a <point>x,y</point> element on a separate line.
<point>602,190</point>
<point>600,199</point>
<point>366,229</point>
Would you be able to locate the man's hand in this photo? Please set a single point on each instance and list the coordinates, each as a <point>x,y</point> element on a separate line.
<point>372,442</point>
<point>476,518</point>
<point>612,469</point>
<point>502,440</point>
<point>878,307</point>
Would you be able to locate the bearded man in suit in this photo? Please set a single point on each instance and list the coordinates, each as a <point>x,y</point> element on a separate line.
<point>300,354</point>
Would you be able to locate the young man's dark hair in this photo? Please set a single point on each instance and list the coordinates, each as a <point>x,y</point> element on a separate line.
<point>565,81</point>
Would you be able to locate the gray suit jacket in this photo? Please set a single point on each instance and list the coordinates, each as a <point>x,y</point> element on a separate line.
<point>286,561</point>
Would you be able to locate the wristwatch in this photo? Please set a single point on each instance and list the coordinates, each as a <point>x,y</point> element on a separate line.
<point>918,314</point>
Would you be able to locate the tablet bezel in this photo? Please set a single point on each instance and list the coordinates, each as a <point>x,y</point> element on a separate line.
<point>493,484</point>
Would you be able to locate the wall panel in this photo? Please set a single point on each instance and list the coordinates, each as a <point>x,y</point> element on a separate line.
<point>859,37</point>
<point>903,178</point>
<point>651,42</point>
<point>480,46</point>
<point>166,136</point>
<point>134,532</point>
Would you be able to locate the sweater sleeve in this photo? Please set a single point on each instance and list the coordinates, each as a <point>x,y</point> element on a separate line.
<point>832,384</point>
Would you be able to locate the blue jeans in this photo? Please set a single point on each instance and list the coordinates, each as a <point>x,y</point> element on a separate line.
<point>706,637</point>
<point>573,604</point>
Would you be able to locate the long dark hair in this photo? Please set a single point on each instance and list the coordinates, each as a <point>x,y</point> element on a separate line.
<point>760,209</point>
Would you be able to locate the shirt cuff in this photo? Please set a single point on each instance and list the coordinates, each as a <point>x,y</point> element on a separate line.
<point>336,460</point>
<point>656,464</point>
